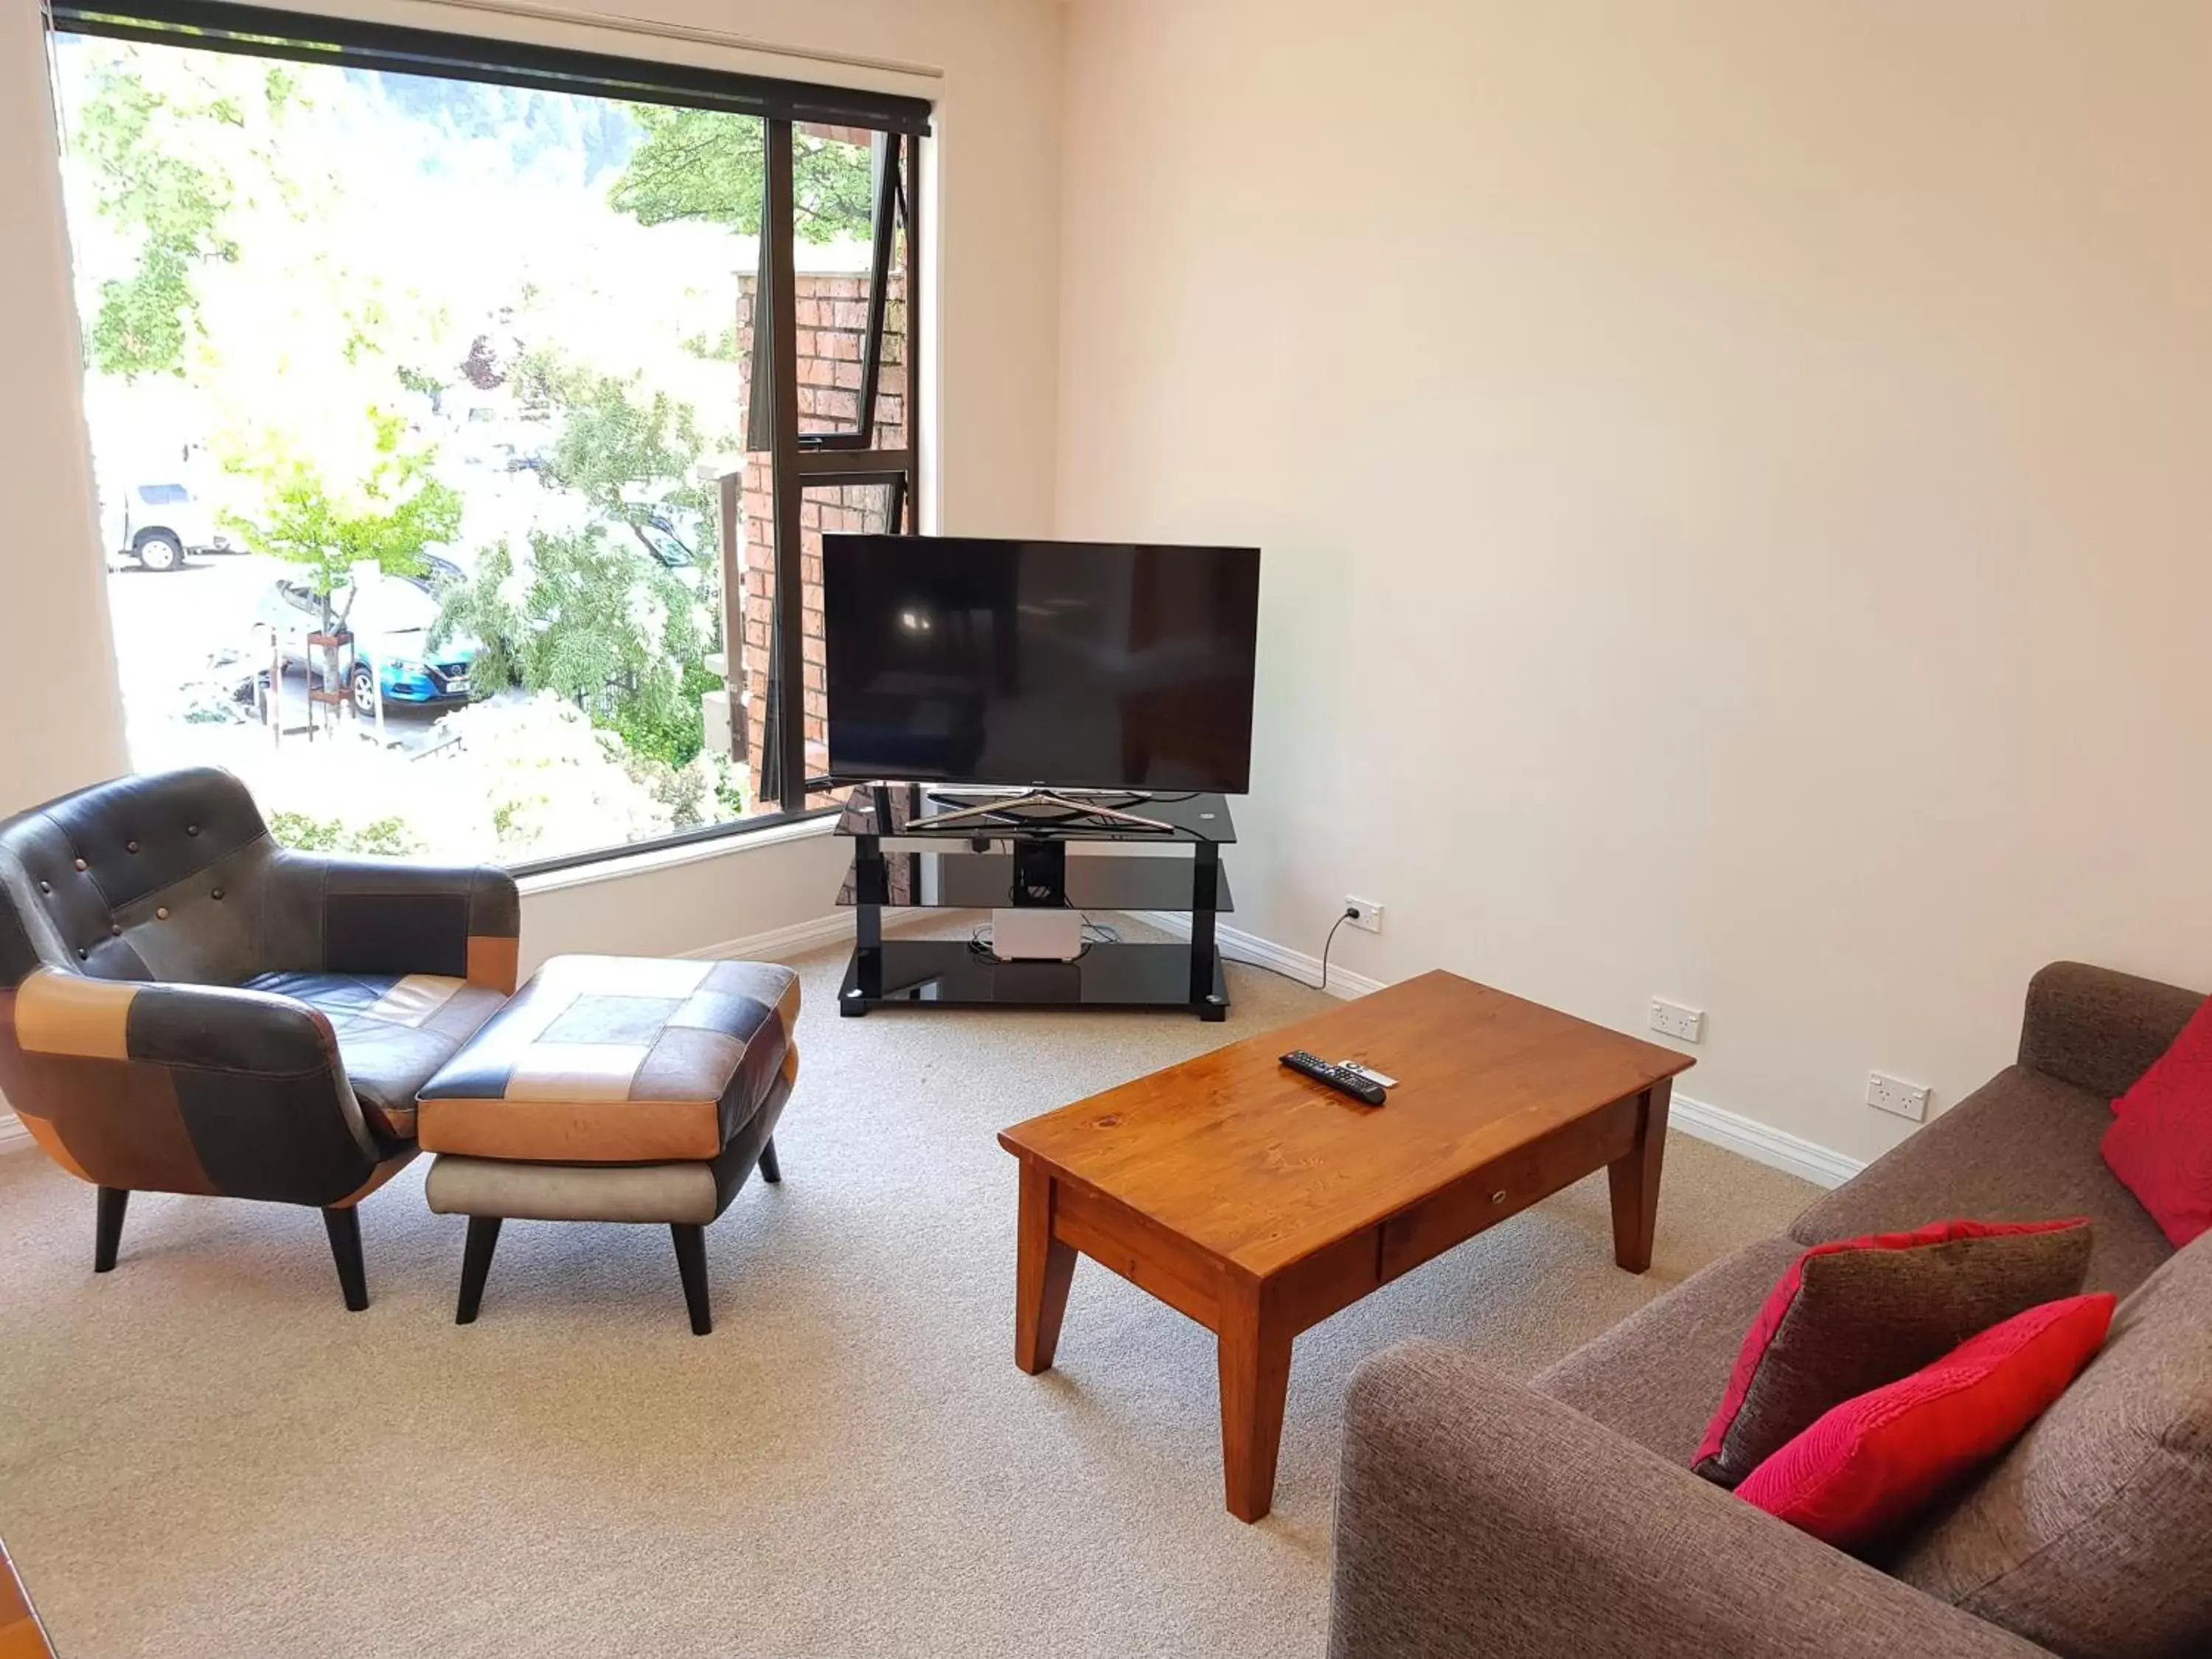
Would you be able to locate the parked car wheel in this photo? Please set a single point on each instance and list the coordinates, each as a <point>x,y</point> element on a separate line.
<point>364,691</point>
<point>157,550</point>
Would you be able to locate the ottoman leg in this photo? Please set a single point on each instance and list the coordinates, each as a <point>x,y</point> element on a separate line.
<point>691,1262</point>
<point>476,1266</point>
<point>771,1171</point>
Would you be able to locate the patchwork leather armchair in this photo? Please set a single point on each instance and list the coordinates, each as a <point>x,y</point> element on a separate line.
<point>187,1007</point>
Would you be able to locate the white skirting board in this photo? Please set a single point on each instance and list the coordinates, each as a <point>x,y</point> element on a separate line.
<point>797,940</point>
<point>1761,1143</point>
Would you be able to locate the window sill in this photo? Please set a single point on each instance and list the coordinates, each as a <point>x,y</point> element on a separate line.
<point>623,865</point>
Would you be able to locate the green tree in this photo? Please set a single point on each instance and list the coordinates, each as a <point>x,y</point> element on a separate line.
<point>706,164</point>
<point>629,453</point>
<point>590,621</point>
<point>129,134</point>
<point>394,510</point>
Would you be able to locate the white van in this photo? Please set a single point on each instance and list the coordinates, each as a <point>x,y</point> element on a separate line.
<point>162,522</point>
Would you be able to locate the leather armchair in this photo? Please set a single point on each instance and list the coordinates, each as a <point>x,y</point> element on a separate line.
<point>187,1007</point>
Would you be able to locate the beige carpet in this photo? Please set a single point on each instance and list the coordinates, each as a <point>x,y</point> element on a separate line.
<point>202,1454</point>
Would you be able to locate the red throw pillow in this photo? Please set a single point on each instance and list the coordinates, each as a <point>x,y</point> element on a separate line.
<point>2160,1143</point>
<point>1855,1314</point>
<point>1874,1463</point>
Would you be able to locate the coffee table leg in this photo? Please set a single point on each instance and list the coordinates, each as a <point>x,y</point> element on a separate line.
<point>1044,1267</point>
<point>1255,1359</point>
<point>1635,1179</point>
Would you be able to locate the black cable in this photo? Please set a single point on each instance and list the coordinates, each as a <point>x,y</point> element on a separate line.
<point>1349,913</point>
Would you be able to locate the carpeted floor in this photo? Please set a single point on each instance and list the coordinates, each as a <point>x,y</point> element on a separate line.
<point>202,1454</point>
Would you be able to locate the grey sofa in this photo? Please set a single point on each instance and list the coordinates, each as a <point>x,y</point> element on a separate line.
<point>1480,1516</point>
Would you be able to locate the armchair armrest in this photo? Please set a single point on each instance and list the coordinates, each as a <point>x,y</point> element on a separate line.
<point>2099,1030</point>
<point>189,1089</point>
<point>389,916</point>
<point>1474,1515</point>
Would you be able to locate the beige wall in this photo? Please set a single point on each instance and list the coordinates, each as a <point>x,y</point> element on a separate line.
<point>1736,482</point>
<point>994,265</point>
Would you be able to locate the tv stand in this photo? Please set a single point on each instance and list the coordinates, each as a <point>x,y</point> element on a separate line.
<point>967,872</point>
<point>1040,808</point>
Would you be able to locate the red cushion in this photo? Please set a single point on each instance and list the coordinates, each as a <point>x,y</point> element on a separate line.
<point>1858,1313</point>
<point>2160,1143</point>
<point>1872,1464</point>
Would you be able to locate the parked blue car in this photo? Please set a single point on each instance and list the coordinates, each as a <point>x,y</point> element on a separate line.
<point>391,628</point>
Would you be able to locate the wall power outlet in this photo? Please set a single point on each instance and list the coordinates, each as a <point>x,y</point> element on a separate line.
<point>1886,1093</point>
<point>1672,1019</point>
<point>1364,913</point>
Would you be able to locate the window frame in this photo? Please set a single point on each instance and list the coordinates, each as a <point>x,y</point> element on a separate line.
<point>902,123</point>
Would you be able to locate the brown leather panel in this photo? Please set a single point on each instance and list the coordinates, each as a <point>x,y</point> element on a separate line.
<point>60,1013</point>
<point>43,1133</point>
<point>493,960</point>
<point>383,1172</point>
<point>790,1064</point>
<point>120,1122</point>
<point>573,1131</point>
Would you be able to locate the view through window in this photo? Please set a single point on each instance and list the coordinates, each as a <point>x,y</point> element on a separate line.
<point>435,446</point>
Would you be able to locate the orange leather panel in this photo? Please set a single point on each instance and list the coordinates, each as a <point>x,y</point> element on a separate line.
<point>493,961</point>
<point>573,1131</point>
<point>69,1014</point>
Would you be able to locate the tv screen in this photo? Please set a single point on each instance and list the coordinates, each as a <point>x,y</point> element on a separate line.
<point>1079,665</point>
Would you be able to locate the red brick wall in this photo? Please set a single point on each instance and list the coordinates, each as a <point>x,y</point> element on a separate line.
<point>832,318</point>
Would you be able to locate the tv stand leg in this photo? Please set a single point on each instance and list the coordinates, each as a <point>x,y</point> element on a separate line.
<point>1209,993</point>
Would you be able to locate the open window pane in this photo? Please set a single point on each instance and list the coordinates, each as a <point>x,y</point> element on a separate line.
<point>452,373</point>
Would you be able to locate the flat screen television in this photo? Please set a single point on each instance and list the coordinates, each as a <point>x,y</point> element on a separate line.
<point>1075,664</point>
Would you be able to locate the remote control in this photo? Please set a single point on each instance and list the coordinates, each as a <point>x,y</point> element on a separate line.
<point>1342,1079</point>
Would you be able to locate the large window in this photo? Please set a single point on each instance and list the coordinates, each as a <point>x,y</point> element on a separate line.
<point>466,415</point>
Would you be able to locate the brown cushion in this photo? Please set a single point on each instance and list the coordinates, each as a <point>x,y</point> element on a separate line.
<point>2023,1147</point>
<point>1860,1314</point>
<point>617,1059</point>
<point>2090,1536</point>
<point>1654,1378</point>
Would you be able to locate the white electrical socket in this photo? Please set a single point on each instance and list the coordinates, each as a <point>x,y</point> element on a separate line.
<point>1672,1019</point>
<point>1364,913</point>
<point>1886,1093</point>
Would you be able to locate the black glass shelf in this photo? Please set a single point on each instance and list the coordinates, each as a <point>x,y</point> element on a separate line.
<point>948,974</point>
<point>904,809</point>
<point>1099,881</point>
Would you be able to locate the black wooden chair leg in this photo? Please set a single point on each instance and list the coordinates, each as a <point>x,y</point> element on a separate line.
<point>771,1171</point>
<point>476,1265</point>
<point>108,1235</point>
<point>344,1229</point>
<point>691,1262</point>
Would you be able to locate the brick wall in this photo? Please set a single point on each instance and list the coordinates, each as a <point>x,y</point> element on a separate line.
<point>832,323</point>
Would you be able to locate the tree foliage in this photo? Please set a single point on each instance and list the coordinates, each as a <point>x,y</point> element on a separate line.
<point>631,453</point>
<point>709,166</point>
<point>588,618</point>
<point>129,134</point>
<point>388,515</point>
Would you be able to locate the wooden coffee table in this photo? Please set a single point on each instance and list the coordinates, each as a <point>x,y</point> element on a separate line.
<point>1260,1202</point>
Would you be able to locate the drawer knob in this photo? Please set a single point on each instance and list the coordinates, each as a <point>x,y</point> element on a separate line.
<point>1497,1197</point>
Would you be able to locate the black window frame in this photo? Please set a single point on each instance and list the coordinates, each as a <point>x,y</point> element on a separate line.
<point>799,460</point>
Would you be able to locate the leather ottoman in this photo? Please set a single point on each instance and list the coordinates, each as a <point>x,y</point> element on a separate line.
<point>614,1089</point>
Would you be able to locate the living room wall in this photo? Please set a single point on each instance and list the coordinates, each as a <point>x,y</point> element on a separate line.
<point>1733,482</point>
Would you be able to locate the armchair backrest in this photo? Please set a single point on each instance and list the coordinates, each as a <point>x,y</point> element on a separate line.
<point>157,878</point>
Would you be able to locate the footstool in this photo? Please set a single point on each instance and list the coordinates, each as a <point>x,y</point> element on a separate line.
<point>613,1089</point>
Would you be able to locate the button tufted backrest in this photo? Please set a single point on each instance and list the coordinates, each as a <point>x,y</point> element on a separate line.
<point>155,877</point>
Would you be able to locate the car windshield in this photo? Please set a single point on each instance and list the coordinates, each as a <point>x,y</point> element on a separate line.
<point>164,495</point>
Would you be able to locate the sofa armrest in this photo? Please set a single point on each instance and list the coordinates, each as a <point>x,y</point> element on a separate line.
<point>391,916</point>
<point>1476,1516</point>
<point>2099,1030</point>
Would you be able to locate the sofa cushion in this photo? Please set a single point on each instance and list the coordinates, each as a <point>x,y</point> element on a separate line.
<point>2023,1147</point>
<point>1858,1314</point>
<point>394,1032</point>
<point>1654,1378</point>
<point>2089,1536</point>
<point>1875,1462</point>
<point>2159,1142</point>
